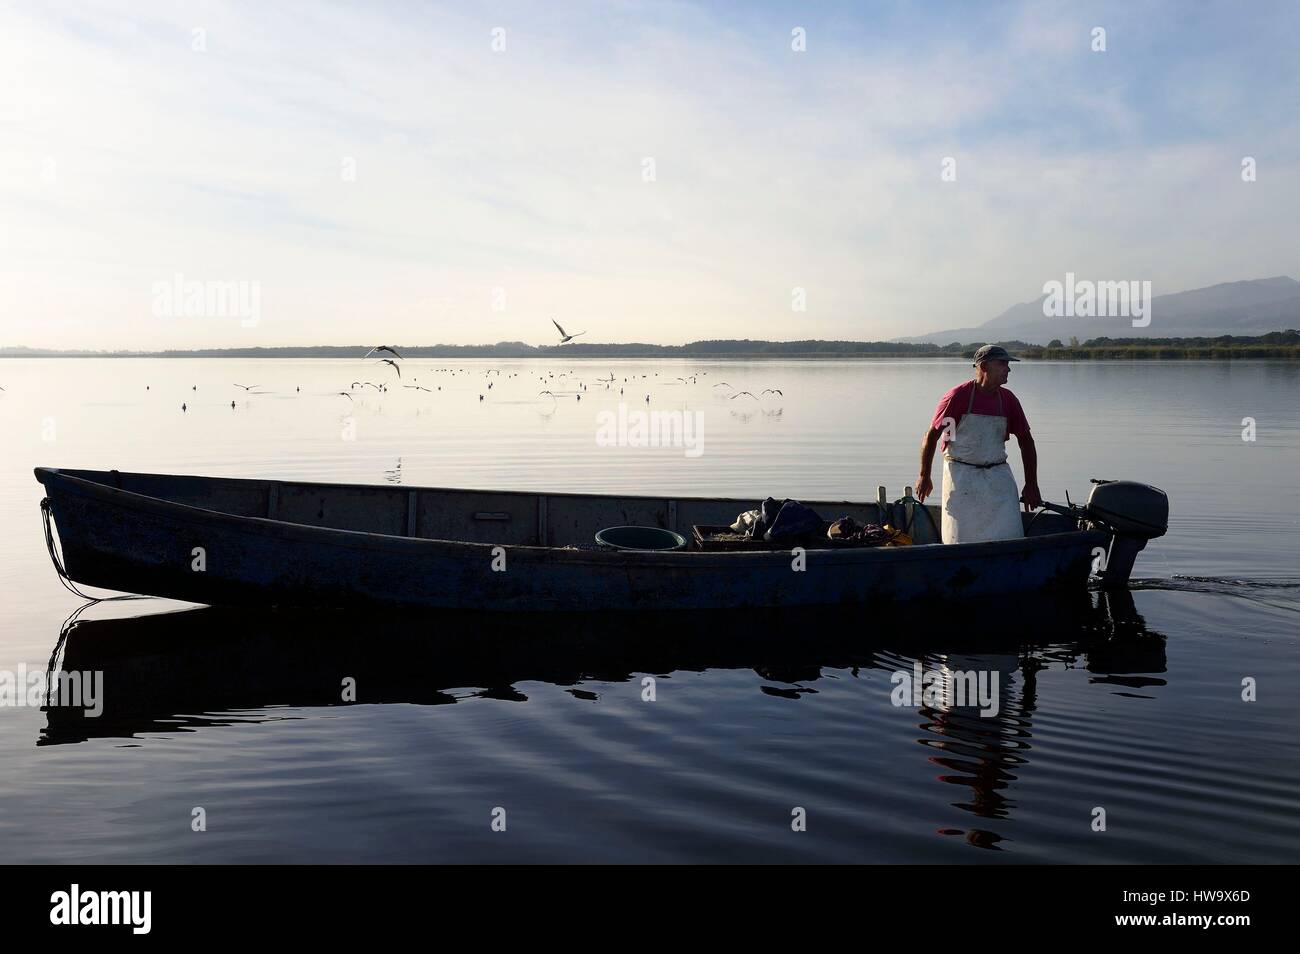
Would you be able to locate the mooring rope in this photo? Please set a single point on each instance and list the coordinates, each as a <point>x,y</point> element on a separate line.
<point>63,574</point>
<point>71,587</point>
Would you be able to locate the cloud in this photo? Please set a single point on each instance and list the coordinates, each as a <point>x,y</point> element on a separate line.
<point>382,167</point>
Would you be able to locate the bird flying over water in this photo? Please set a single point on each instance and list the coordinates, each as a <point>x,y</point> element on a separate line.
<point>564,335</point>
<point>246,387</point>
<point>723,384</point>
<point>414,387</point>
<point>346,395</point>
<point>392,351</point>
<point>772,391</point>
<point>395,365</point>
<point>741,393</point>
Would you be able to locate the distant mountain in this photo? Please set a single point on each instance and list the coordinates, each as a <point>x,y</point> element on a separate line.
<point>1232,308</point>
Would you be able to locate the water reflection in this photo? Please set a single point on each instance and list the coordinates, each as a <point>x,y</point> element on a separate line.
<point>986,754</point>
<point>186,670</point>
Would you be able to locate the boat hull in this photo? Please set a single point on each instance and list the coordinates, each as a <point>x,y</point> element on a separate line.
<point>131,542</point>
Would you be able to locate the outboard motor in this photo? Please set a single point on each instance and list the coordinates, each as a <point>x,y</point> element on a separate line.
<point>1135,513</point>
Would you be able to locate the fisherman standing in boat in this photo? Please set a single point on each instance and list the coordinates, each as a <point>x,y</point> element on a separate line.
<point>975,420</point>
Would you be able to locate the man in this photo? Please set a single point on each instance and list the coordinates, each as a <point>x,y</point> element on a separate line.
<point>975,420</point>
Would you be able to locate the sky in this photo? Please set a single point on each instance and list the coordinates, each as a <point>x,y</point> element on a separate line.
<point>419,173</point>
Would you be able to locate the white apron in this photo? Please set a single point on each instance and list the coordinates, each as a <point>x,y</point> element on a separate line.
<point>979,502</point>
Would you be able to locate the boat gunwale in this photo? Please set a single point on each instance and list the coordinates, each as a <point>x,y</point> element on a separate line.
<point>69,473</point>
<point>370,540</point>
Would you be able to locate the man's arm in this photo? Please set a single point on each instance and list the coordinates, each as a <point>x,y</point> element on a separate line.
<point>1029,457</point>
<point>924,485</point>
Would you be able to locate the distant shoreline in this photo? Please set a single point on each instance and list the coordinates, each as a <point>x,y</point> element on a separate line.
<point>1277,344</point>
<point>1032,355</point>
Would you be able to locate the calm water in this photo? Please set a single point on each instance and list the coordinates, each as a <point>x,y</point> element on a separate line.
<point>1132,705</point>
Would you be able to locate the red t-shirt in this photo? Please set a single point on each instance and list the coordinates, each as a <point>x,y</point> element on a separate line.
<point>954,404</point>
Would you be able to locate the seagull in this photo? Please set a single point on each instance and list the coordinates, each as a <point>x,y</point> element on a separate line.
<point>394,364</point>
<point>564,335</point>
<point>344,394</point>
<point>772,391</point>
<point>540,393</point>
<point>246,387</point>
<point>742,393</point>
<point>414,387</point>
<point>723,384</point>
<point>392,351</point>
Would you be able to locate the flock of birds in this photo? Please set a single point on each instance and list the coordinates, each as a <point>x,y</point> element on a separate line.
<point>388,357</point>
<point>560,385</point>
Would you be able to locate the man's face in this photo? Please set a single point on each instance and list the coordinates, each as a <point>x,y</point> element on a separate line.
<point>996,371</point>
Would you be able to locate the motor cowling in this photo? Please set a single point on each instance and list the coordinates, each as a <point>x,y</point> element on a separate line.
<point>1135,513</point>
<point>1130,508</point>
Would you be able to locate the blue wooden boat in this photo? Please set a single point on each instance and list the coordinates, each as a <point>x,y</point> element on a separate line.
<point>241,542</point>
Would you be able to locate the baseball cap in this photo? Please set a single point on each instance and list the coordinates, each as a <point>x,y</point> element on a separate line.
<point>993,353</point>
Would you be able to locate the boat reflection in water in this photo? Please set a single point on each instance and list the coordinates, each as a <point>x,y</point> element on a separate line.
<point>185,670</point>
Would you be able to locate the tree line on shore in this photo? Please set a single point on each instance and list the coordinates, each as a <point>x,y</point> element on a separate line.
<point>1275,344</point>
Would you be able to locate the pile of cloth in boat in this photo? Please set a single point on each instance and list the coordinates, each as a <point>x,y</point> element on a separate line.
<point>789,522</point>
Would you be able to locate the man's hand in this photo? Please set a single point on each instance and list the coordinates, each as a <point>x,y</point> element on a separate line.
<point>924,487</point>
<point>1031,498</point>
